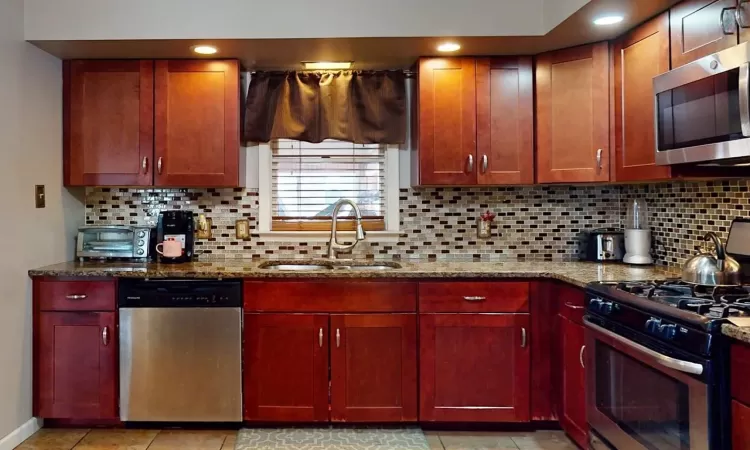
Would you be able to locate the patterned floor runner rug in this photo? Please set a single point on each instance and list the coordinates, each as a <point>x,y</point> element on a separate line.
<point>331,438</point>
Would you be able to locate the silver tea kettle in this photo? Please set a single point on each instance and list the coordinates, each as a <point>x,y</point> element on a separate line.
<point>712,270</point>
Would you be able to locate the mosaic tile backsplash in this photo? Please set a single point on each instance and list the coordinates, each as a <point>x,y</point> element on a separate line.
<point>536,222</point>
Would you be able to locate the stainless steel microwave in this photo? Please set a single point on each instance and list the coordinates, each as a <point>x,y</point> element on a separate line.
<point>702,110</point>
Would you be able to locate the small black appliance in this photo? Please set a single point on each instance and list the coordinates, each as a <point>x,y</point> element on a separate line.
<point>177,225</point>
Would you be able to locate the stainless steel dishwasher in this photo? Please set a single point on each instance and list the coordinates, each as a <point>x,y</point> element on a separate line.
<point>180,350</point>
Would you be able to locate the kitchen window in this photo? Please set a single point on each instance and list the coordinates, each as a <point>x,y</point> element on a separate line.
<point>300,182</point>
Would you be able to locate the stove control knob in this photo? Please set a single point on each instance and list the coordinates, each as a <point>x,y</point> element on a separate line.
<point>652,325</point>
<point>595,305</point>
<point>668,331</point>
<point>606,308</point>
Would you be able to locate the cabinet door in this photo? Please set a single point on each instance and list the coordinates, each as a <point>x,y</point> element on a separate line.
<point>573,417</point>
<point>197,123</point>
<point>374,368</point>
<point>505,121</point>
<point>740,426</point>
<point>696,29</point>
<point>447,122</point>
<point>640,55</point>
<point>573,115</point>
<point>108,123</point>
<point>76,365</point>
<point>474,367</point>
<point>286,367</point>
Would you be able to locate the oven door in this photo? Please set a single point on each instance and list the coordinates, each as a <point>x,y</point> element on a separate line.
<point>638,398</point>
<point>702,110</point>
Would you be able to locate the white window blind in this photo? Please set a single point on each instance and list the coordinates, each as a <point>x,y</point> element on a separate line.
<point>308,179</point>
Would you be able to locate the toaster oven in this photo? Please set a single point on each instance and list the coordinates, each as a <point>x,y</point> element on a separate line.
<point>113,242</point>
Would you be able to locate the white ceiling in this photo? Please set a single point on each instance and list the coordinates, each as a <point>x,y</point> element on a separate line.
<point>283,19</point>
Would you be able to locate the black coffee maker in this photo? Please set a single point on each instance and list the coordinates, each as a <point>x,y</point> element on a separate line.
<point>178,226</point>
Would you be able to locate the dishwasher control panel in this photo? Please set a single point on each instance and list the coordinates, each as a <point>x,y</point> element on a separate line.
<point>182,293</point>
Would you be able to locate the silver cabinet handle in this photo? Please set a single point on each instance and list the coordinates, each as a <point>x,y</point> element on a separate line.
<point>75,296</point>
<point>158,165</point>
<point>485,163</point>
<point>144,164</point>
<point>320,338</point>
<point>731,21</point>
<point>105,336</point>
<point>599,160</point>
<point>475,299</point>
<point>572,306</point>
<point>523,337</point>
<point>663,360</point>
<point>338,338</point>
<point>471,163</point>
<point>580,356</point>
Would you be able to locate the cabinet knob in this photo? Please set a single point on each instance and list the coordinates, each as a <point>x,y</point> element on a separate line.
<point>320,338</point>
<point>523,337</point>
<point>485,163</point>
<point>470,164</point>
<point>474,298</point>
<point>105,336</point>
<point>76,296</point>
<point>580,356</point>
<point>599,160</point>
<point>145,164</point>
<point>158,165</point>
<point>338,338</point>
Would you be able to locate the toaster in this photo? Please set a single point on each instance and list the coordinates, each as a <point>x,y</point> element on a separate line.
<point>113,242</point>
<point>603,244</point>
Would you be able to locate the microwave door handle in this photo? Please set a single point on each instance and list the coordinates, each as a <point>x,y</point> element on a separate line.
<point>744,92</point>
<point>666,361</point>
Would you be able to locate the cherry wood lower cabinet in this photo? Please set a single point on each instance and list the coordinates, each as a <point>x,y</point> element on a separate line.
<point>373,367</point>
<point>740,426</point>
<point>76,365</point>
<point>286,367</point>
<point>573,413</point>
<point>474,367</point>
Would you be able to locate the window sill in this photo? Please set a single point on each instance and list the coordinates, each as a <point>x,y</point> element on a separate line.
<point>325,236</point>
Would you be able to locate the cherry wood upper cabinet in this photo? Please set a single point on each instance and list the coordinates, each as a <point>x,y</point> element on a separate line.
<point>701,27</point>
<point>76,365</point>
<point>474,367</point>
<point>573,414</point>
<point>573,115</point>
<point>505,121</point>
<point>197,123</point>
<point>374,368</point>
<point>447,117</point>
<point>108,122</point>
<point>286,367</point>
<point>639,56</point>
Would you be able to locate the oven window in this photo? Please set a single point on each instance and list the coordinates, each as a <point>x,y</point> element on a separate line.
<point>648,405</point>
<point>703,112</point>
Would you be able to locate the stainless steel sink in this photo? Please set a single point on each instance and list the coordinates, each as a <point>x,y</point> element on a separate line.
<point>337,265</point>
<point>294,267</point>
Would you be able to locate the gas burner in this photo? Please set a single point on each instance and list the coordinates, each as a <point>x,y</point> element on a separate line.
<point>639,288</point>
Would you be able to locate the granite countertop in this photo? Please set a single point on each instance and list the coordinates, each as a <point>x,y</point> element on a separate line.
<point>577,273</point>
<point>741,334</point>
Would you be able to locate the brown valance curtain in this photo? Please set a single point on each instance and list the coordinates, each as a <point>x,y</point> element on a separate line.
<point>354,106</point>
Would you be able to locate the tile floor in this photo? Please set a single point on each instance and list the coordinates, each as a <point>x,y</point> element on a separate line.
<point>101,439</point>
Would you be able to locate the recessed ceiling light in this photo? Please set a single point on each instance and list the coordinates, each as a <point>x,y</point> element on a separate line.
<point>449,47</point>
<point>205,49</point>
<point>608,20</point>
<point>327,65</point>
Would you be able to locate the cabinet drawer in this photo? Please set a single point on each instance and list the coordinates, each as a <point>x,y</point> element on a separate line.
<point>571,301</point>
<point>463,296</point>
<point>75,295</point>
<point>330,296</point>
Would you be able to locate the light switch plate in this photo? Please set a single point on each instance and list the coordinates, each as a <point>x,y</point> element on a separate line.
<point>39,196</point>
<point>242,229</point>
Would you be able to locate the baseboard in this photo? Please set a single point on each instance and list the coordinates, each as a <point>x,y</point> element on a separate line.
<point>20,434</point>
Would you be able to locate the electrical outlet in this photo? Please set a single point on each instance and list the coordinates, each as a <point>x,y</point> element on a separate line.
<point>39,196</point>
<point>203,227</point>
<point>242,229</point>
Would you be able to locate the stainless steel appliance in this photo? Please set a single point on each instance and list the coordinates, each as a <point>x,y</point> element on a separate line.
<point>657,364</point>
<point>702,110</point>
<point>113,242</point>
<point>710,269</point>
<point>177,225</point>
<point>604,244</point>
<point>180,350</point>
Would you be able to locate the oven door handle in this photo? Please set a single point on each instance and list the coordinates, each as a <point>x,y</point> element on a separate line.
<point>666,361</point>
<point>744,92</point>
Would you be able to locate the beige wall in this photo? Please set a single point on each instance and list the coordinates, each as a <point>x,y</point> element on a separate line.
<point>30,153</point>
